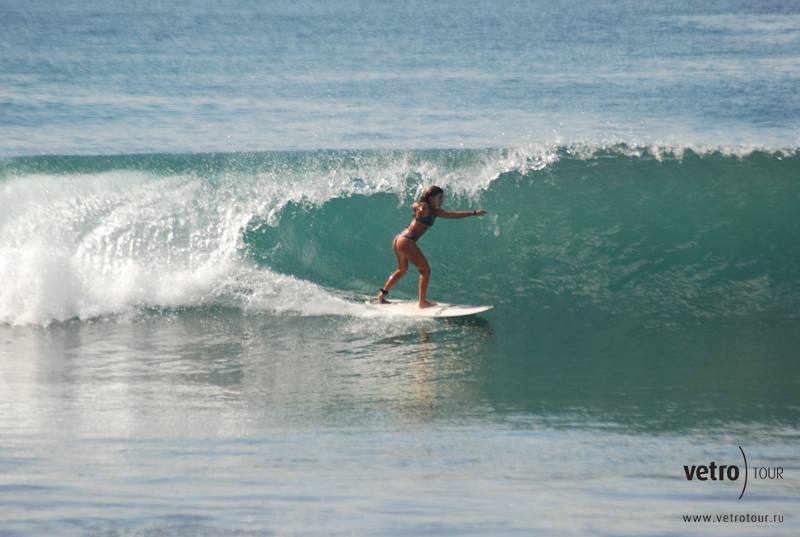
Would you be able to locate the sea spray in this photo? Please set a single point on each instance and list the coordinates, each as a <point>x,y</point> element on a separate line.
<point>669,234</point>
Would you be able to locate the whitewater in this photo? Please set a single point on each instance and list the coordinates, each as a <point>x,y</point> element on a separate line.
<point>197,197</point>
<point>631,229</point>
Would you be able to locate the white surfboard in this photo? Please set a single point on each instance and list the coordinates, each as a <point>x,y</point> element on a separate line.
<point>441,309</point>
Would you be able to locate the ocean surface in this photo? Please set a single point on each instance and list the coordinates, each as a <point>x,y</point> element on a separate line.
<point>196,199</point>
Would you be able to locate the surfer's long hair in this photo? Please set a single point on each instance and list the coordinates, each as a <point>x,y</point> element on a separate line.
<point>432,190</point>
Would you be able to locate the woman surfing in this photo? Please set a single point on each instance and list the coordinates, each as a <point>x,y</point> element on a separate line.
<point>426,211</point>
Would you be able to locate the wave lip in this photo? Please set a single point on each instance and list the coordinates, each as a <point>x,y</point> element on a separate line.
<point>637,230</point>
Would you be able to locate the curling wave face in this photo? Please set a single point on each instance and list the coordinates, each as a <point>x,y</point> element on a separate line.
<point>671,234</point>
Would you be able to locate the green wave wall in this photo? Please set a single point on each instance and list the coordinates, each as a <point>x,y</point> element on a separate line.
<point>667,236</point>
<point>670,238</point>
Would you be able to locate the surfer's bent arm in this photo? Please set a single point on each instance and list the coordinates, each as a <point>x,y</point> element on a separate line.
<point>441,213</point>
<point>420,207</point>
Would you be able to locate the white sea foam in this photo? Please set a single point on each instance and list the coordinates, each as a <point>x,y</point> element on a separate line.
<point>112,243</point>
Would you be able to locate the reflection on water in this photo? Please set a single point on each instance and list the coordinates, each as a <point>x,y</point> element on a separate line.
<point>431,370</point>
<point>222,373</point>
<point>185,422</point>
<point>228,374</point>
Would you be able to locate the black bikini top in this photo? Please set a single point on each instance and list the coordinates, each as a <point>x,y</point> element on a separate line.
<point>428,220</point>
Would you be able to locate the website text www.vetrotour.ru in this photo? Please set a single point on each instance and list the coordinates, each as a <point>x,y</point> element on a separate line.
<point>731,518</point>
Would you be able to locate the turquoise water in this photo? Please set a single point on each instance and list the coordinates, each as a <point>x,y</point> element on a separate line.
<point>109,77</point>
<point>195,201</point>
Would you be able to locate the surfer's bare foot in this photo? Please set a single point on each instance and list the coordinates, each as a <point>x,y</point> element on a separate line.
<point>426,304</point>
<point>381,298</point>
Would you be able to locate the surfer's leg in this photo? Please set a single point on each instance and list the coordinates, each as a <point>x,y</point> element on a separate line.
<point>402,269</point>
<point>414,254</point>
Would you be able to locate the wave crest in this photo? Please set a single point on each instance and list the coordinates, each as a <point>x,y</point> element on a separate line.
<point>640,230</point>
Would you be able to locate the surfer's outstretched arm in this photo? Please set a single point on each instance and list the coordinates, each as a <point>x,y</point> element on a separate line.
<point>441,213</point>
